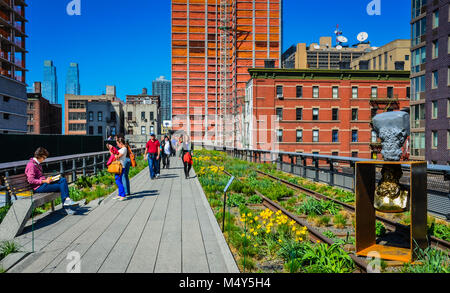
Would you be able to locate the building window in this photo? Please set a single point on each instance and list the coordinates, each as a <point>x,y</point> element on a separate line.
<point>113,131</point>
<point>408,93</point>
<point>374,137</point>
<point>77,127</point>
<point>152,116</point>
<point>434,110</point>
<point>315,92</point>
<point>142,115</point>
<point>99,116</point>
<point>279,91</point>
<point>435,49</point>
<point>434,138</point>
<point>279,114</point>
<point>130,116</point>
<point>30,128</point>
<point>91,130</point>
<point>335,135</point>
<point>354,154</point>
<point>280,135</point>
<point>130,131</point>
<point>315,114</point>
<point>100,130</point>
<point>6,99</point>
<point>299,135</point>
<point>315,135</point>
<point>30,106</point>
<point>113,116</point>
<point>91,116</point>
<point>406,57</point>
<point>6,116</point>
<point>77,104</point>
<point>299,91</point>
<point>335,114</point>
<point>299,113</point>
<point>354,92</point>
<point>374,92</point>
<point>30,117</point>
<point>354,135</point>
<point>390,92</point>
<point>335,92</point>
<point>435,80</point>
<point>152,129</point>
<point>435,19</point>
<point>77,116</point>
<point>354,114</point>
<point>335,154</point>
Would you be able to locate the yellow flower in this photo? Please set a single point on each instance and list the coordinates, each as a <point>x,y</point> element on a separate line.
<point>249,214</point>
<point>298,233</point>
<point>279,240</point>
<point>251,230</point>
<point>243,235</point>
<point>291,223</point>
<point>294,229</point>
<point>256,245</point>
<point>255,233</point>
<point>256,218</point>
<point>318,241</point>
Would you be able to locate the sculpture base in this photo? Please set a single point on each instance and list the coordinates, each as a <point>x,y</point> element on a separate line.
<point>387,253</point>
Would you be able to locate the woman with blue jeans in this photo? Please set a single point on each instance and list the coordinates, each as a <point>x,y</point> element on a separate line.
<point>121,157</point>
<point>125,178</point>
<point>41,184</point>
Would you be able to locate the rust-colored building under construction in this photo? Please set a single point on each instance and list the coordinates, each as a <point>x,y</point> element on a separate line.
<point>214,42</point>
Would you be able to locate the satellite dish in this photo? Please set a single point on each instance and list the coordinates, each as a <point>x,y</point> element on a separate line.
<point>342,39</point>
<point>362,36</point>
<point>317,47</point>
<point>339,47</point>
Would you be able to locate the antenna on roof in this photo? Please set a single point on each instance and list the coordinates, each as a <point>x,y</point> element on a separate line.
<point>340,39</point>
<point>362,36</point>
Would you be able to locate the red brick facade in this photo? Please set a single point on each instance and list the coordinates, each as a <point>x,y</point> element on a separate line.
<point>353,112</point>
<point>43,117</point>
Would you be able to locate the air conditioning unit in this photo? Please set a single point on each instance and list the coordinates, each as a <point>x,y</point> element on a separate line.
<point>280,97</point>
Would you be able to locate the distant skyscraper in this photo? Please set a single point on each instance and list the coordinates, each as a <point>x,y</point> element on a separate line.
<point>162,87</point>
<point>50,83</point>
<point>73,80</point>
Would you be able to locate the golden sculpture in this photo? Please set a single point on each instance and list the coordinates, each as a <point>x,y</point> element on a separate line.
<point>390,196</point>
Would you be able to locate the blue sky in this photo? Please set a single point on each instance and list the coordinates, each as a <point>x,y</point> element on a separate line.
<point>127,43</point>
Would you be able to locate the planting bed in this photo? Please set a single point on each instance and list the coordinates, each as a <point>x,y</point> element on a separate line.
<point>281,248</point>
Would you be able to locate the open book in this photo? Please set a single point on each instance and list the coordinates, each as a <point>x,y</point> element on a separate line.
<point>55,178</point>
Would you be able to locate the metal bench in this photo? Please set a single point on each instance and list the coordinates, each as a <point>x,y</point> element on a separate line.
<point>20,211</point>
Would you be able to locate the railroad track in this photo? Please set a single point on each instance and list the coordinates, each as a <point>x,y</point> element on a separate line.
<point>391,225</point>
<point>314,234</point>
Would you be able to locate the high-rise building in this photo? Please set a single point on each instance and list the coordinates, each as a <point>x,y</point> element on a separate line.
<point>13,91</point>
<point>161,87</point>
<point>430,81</point>
<point>73,80</point>
<point>50,82</point>
<point>213,45</point>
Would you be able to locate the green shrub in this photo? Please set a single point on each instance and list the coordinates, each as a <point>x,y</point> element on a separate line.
<point>431,260</point>
<point>380,229</point>
<point>324,221</point>
<point>3,211</point>
<point>8,247</point>
<point>311,207</point>
<point>440,231</point>
<point>247,264</point>
<point>255,199</point>
<point>235,200</point>
<point>339,221</point>
<point>329,234</point>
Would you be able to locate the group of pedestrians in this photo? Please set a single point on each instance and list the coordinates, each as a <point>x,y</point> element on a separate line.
<point>155,152</point>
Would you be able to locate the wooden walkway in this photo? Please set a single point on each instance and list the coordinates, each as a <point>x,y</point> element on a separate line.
<point>166,226</point>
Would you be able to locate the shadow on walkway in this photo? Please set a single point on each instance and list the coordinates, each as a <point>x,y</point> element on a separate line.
<point>142,194</point>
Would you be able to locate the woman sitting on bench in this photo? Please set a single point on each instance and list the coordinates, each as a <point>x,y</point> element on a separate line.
<point>41,184</point>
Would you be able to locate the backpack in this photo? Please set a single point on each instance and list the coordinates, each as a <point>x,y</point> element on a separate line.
<point>132,157</point>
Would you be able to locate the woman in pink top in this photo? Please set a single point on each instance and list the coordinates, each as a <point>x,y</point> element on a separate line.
<point>41,184</point>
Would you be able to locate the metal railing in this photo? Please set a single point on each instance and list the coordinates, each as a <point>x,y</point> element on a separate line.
<point>340,172</point>
<point>70,167</point>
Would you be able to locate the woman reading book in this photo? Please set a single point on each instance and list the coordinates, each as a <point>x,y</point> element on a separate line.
<point>41,184</point>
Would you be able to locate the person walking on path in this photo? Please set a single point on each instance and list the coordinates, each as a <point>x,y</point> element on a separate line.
<point>167,151</point>
<point>186,156</point>
<point>121,157</point>
<point>174,146</point>
<point>41,184</point>
<point>152,154</point>
<point>126,171</point>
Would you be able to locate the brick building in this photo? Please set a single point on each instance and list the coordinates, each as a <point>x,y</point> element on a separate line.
<point>43,117</point>
<point>319,111</point>
<point>214,42</point>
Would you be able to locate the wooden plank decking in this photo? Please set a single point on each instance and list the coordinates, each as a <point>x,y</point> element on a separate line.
<point>166,226</point>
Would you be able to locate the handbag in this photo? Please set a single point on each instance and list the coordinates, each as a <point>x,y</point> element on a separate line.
<point>132,157</point>
<point>187,158</point>
<point>115,168</point>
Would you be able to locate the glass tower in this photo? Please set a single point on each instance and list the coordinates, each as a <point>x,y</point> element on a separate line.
<point>50,83</point>
<point>162,87</point>
<point>73,80</point>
